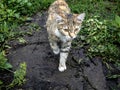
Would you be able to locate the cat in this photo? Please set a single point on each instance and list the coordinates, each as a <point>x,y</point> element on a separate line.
<point>62,26</point>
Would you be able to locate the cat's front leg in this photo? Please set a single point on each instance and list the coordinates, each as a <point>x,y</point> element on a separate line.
<point>63,56</point>
<point>54,46</point>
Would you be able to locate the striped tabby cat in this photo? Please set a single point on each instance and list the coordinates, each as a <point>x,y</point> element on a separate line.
<point>62,26</point>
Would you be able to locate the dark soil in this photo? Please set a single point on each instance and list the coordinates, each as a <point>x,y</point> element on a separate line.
<point>6,76</point>
<point>42,65</point>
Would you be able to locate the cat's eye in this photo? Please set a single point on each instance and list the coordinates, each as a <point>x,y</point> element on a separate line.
<point>66,30</point>
<point>60,22</point>
<point>76,29</point>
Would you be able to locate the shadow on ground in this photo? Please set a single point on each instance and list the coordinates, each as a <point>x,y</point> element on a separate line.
<point>42,64</point>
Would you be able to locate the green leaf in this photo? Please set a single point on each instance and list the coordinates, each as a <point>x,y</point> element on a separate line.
<point>22,40</point>
<point>82,37</point>
<point>114,76</point>
<point>1,82</point>
<point>29,4</point>
<point>117,20</point>
<point>28,18</point>
<point>17,15</point>
<point>8,66</point>
<point>19,75</point>
<point>3,61</point>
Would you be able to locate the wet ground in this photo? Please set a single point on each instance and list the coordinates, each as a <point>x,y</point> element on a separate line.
<point>42,65</point>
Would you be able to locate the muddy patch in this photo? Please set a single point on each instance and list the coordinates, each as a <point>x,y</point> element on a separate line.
<point>42,65</point>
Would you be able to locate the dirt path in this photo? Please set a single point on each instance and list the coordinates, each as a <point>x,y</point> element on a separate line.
<point>42,72</point>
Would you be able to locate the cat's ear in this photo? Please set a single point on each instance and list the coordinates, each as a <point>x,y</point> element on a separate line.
<point>58,18</point>
<point>81,17</point>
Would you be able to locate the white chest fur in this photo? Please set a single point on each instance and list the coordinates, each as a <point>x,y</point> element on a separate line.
<point>62,37</point>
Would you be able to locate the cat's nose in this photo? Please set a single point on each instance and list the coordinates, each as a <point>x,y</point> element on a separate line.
<point>72,35</point>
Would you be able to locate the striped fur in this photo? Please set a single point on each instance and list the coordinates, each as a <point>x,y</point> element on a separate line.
<point>62,26</point>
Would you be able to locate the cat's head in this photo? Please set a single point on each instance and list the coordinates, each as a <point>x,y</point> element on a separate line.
<point>70,25</point>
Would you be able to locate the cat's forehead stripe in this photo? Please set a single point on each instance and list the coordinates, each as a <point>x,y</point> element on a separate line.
<point>69,16</point>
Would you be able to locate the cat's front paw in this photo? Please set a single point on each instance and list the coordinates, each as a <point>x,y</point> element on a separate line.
<point>56,51</point>
<point>62,68</point>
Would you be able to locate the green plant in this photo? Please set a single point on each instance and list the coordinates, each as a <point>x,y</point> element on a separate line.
<point>103,40</point>
<point>14,10</point>
<point>3,62</point>
<point>100,31</point>
<point>6,33</point>
<point>19,76</point>
<point>13,13</point>
<point>100,35</point>
<point>114,76</point>
<point>116,22</point>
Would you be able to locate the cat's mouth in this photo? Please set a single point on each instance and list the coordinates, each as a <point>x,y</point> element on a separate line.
<point>68,38</point>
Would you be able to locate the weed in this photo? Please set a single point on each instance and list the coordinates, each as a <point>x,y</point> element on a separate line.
<point>19,76</point>
<point>3,62</point>
<point>100,34</point>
